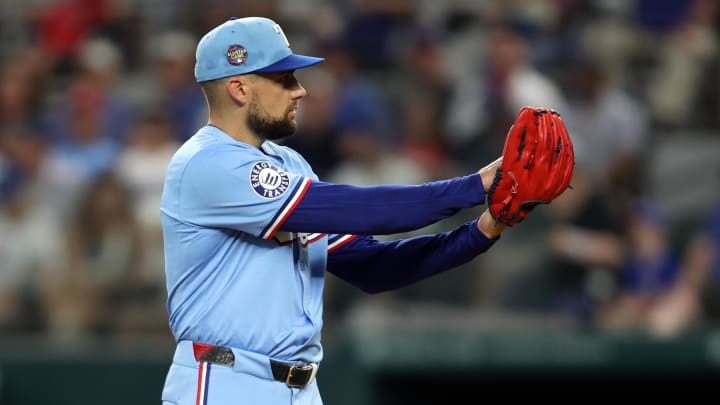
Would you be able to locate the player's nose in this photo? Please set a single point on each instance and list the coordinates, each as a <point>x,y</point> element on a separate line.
<point>298,92</point>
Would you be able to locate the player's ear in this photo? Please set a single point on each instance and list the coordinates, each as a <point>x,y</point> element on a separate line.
<point>238,87</point>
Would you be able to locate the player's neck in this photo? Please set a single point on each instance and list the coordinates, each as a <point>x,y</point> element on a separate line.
<point>236,128</point>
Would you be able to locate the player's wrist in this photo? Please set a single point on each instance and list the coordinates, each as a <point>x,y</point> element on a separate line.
<point>487,173</point>
<point>489,227</point>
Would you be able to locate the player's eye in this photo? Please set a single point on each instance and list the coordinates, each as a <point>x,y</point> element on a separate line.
<point>289,81</point>
<point>285,79</point>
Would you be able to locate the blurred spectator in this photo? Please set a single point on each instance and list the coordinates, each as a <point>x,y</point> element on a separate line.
<point>28,231</point>
<point>20,96</point>
<point>483,107</point>
<point>29,235</point>
<point>586,247</point>
<point>359,104</point>
<point>63,26</point>
<point>609,128</point>
<point>364,125</point>
<point>142,164</point>
<point>173,57</point>
<point>369,158</point>
<point>588,244</point>
<point>99,271</point>
<point>422,93</point>
<point>141,167</point>
<point>648,272</point>
<point>19,127</point>
<point>684,54</point>
<point>695,300</point>
<point>73,162</point>
<point>21,99</point>
<point>423,139</point>
<point>86,128</point>
<point>373,28</point>
<point>94,89</point>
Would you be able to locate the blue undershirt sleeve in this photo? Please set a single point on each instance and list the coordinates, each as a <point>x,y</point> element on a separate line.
<point>382,210</point>
<point>375,266</point>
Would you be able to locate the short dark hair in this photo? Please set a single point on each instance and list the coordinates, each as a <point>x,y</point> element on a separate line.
<point>211,89</point>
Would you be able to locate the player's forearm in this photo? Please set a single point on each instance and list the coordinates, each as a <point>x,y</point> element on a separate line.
<point>375,266</point>
<point>382,210</point>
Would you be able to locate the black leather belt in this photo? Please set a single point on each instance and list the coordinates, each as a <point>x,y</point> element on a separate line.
<point>294,375</point>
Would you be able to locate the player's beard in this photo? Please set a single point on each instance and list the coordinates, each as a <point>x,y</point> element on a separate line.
<point>268,127</point>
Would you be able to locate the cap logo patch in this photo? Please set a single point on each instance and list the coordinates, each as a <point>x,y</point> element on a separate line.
<point>236,55</point>
<point>268,181</point>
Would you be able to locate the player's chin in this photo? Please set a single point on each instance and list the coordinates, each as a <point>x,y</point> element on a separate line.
<point>292,123</point>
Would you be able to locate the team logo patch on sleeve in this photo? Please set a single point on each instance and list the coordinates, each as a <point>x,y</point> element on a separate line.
<point>268,181</point>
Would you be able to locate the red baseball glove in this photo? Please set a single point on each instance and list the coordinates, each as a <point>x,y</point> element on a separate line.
<point>537,166</point>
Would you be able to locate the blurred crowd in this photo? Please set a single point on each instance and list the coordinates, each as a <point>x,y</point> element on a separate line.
<point>96,95</point>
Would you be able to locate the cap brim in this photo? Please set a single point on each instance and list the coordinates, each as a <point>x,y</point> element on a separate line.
<point>291,62</point>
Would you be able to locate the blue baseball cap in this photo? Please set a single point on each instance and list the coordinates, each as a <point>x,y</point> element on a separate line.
<point>246,45</point>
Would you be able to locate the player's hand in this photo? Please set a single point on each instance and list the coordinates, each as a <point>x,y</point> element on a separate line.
<point>489,226</point>
<point>487,173</point>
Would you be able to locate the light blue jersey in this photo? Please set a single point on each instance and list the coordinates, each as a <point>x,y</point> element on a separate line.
<point>232,279</point>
